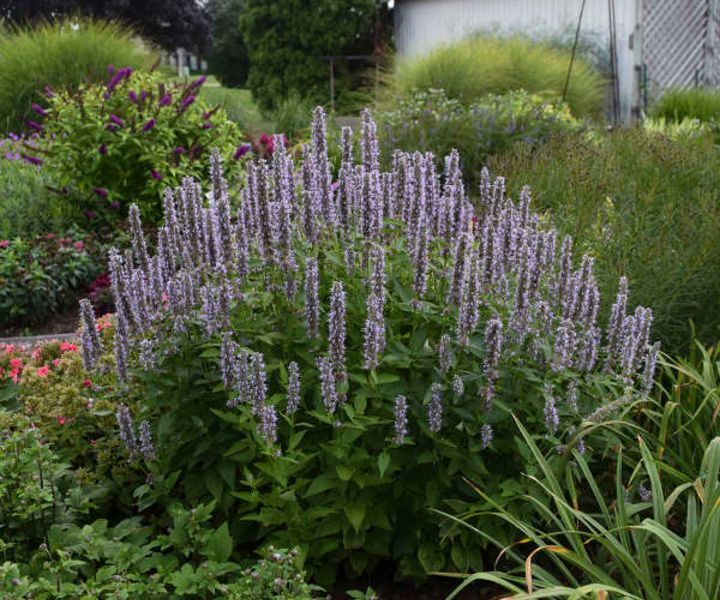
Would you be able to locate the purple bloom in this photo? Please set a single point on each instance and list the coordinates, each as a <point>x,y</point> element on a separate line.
<point>644,493</point>
<point>127,429</point>
<point>444,353</point>
<point>149,125</point>
<point>493,346</point>
<point>267,425</point>
<point>486,435</point>
<point>116,120</point>
<point>156,174</point>
<point>133,96</point>
<point>115,204</point>
<point>401,420</point>
<point>102,192</point>
<point>178,150</point>
<point>228,349</point>
<point>258,382</point>
<point>312,302</point>
<point>435,408</point>
<point>90,214</point>
<point>39,110</point>
<point>207,126</point>
<point>165,100</point>
<point>187,101</point>
<point>374,331</point>
<point>198,82</point>
<point>327,383</point>
<point>33,160</point>
<point>111,69</point>
<point>103,149</point>
<point>552,420</point>
<point>49,92</point>
<point>458,386</point>
<point>89,338</point>
<point>34,125</point>
<point>241,151</point>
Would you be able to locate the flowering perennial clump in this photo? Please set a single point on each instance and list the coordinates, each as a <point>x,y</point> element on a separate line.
<point>414,239</point>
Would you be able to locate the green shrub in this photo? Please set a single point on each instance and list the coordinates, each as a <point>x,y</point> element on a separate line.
<point>38,276</point>
<point>633,547</point>
<point>645,206</point>
<point>431,122</point>
<point>27,206</point>
<point>292,114</point>
<point>405,390</point>
<point>62,55</point>
<point>481,65</point>
<point>680,104</point>
<point>133,136</point>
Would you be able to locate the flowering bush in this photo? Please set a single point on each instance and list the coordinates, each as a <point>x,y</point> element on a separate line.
<point>430,121</point>
<point>38,275</point>
<point>133,136</point>
<point>328,363</point>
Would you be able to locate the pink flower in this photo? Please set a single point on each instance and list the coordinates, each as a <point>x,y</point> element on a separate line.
<point>16,363</point>
<point>43,371</point>
<point>61,420</point>
<point>15,375</point>
<point>10,348</point>
<point>56,362</point>
<point>79,246</point>
<point>68,347</point>
<point>4,243</point>
<point>36,353</point>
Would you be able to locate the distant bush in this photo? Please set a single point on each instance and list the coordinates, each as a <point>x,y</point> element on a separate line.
<point>645,206</point>
<point>482,65</point>
<point>292,114</point>
<point>61,55</point>
<point>678,104</point>
<point>431,122</point>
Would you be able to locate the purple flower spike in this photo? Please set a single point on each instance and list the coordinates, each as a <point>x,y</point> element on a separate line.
<point>156,174</point>
<point>102,192</point>
<point>103,149</point>
<point>165,100</point>
<point>241,151</point>
<point>115,204</point>
<point>39,110</point>
<point>178,150</point>
<point>116,120</point>
<point>49,92</point>
<point>33,160</point>
<point>34,125</point>
<point>133,96</point>
<point>149,125</point>
<point>111,69</point>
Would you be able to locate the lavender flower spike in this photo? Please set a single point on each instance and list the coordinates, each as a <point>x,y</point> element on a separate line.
<point>267,426</point>
<point>444,353</point>
<point>89,338</point>
<point>401,420</point>
<point>336,328</point>
<point>147,447</point>
<point>228,348</point>
<point>327,383</point>
<point>312,301</point>
<point>293,388</point>
<point>435,408</point>
<point>127,429</point>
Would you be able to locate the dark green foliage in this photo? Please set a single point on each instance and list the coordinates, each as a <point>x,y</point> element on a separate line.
<point>697,103</point>
<point>61,56</point>
<point>645,206</point>
<point>228,59</point>
<point>39,275</point>
<point>431,122</point>
<point>286,40</point>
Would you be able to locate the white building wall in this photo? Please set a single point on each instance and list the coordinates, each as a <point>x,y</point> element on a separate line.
<point>421,25</point>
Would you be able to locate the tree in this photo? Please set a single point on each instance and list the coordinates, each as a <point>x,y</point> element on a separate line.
<point>287,40</point>
<point>168,23</point>
<point>228,59</point>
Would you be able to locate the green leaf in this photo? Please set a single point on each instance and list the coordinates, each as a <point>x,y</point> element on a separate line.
<point>383,463</point>
<point>344,472</point>
<point>355,514</point>
<point>219,545</point>
<point>320,484</point>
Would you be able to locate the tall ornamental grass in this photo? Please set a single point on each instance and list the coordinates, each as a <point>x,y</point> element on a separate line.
<point>61,55</point>
<point>679,104</point>
<point>645,206</point>
<point>482,65</point>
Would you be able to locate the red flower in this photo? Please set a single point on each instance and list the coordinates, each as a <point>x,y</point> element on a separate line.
<point>10,348</point>
<point>15,375</point>
<point>87,383</point>
<point>16,363</point>
<point>43,371</point>
<point>67,347</point>
<point>61,420</point>
<point>56,362</point>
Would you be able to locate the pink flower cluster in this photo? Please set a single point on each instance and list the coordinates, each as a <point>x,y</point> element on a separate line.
<point>15,360</point>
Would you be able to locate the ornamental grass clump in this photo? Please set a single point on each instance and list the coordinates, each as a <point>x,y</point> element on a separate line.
<point>332,354</point>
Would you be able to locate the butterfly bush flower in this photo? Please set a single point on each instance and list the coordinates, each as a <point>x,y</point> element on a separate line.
<point>401,420</point>
<point>293,390</point>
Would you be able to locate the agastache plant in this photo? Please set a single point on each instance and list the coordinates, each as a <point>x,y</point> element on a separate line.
<point>351,253</point>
